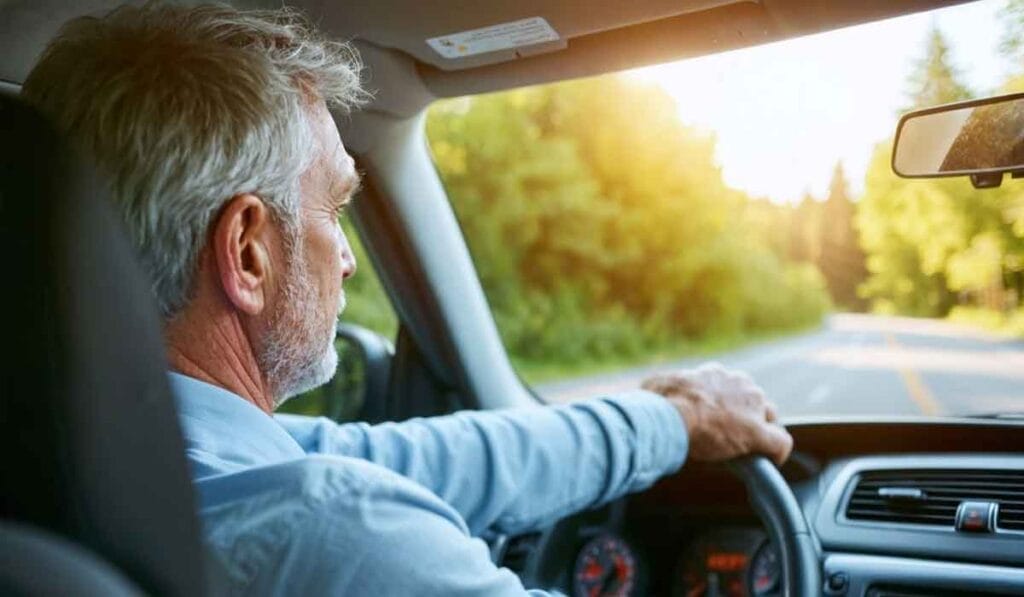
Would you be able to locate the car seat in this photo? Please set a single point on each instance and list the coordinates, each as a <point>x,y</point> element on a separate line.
<point>96,497</point>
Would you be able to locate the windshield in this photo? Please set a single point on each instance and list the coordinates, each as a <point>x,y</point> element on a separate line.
<point>741,207</point>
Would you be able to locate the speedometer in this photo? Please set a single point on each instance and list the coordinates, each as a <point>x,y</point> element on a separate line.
<point>765,572</point>
<point>606,567</point>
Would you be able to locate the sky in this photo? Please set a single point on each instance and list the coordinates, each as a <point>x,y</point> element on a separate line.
<point>784,113</point>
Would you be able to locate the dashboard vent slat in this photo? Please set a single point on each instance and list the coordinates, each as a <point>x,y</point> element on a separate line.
<point>938,493</point>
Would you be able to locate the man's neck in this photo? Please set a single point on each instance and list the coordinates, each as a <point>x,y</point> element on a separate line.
<point>212,346</point>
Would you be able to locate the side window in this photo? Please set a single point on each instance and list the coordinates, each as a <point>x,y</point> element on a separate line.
<point>368,307</point>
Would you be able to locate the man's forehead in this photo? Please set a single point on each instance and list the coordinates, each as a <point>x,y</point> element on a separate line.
<point>338,166</point>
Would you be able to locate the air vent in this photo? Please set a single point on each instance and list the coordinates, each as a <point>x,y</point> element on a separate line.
<point>931,496</point>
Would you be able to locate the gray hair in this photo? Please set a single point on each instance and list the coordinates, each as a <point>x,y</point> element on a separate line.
<point>187,107</point>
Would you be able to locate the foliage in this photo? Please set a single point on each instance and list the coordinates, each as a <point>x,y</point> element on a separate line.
<point>841,259</point>
<point>1010,323</point>
<point>909,229</point>
<point>601,227</point>
<point>1012,40</point>
<point>820,234</point>
<point>936,245</point>
<point>934,80</point>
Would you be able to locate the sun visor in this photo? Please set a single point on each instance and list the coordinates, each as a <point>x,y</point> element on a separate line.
<point>489,40</point>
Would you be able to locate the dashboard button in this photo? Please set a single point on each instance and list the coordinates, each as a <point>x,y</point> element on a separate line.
<point>838,582</point>
<point>975,517</point>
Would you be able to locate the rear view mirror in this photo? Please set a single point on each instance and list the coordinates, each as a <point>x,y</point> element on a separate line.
<point>982,139</point>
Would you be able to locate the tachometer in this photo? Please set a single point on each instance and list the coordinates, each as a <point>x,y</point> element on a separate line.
<point>765,572</point>
<point>606,567</point>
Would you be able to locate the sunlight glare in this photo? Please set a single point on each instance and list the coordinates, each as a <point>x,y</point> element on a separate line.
<point>785,113</point>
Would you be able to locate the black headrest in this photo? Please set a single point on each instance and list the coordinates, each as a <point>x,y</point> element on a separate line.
<point>91,443</point>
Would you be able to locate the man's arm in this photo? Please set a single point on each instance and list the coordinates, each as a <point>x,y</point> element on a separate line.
<point>518,469</point>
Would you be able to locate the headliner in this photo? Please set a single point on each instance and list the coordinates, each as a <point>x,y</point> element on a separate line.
<point>606,35</point>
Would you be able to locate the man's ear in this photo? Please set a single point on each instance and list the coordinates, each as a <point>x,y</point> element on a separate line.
<point>240,243</point>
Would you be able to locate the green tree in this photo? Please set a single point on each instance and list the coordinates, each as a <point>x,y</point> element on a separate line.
<point>935,80</point>
<point>910,229</point>
<point>1012,39</point>
<point>841,259</point>
<point>805,230</point>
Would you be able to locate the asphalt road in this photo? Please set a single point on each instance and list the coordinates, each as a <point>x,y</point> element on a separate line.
<point>862,365</point>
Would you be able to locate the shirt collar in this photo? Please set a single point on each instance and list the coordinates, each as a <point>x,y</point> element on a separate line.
<point>224,432</point>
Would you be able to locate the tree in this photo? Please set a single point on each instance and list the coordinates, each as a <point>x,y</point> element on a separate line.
<point>911,229</point>
<point>908,231</point>
<point>841,259</point>
<point>805,230</point>
<point>1012,40</point>
<point>935,80</point>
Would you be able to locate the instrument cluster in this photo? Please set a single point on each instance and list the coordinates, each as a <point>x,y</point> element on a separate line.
<point>738,562</point>
<point>723,562</point>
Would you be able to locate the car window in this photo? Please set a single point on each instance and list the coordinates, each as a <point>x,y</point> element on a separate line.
<point>367,306</point>
<point>741,207</point>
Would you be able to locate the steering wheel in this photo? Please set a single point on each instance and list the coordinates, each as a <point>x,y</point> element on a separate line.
<point>774,502</point>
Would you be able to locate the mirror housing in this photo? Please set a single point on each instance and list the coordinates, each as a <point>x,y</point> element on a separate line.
<point>982,139</point>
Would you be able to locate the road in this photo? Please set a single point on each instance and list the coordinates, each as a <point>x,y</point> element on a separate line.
<point>862,365</point>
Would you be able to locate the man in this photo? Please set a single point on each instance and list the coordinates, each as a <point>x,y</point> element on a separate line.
<point>213,125</point>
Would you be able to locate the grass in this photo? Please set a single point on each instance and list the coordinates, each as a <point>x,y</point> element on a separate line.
<point>534,372</point>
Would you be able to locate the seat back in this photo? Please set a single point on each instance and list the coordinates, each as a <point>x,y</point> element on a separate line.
<point>92,447</point>
<point>36,563</point>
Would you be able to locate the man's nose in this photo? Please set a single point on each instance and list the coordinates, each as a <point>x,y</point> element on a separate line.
<point>348,261</point>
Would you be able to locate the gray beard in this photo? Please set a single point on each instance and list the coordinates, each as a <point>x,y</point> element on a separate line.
<point>298,351</point>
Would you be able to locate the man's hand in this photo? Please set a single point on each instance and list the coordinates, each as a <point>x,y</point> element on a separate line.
<point>725,412</point>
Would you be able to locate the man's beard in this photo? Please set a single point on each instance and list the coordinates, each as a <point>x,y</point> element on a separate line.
<point>298,351</point>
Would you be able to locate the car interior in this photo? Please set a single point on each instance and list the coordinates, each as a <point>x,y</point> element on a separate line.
<point>96,498</point>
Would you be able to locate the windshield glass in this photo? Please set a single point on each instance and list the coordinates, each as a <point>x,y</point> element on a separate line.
<point>741,207</point>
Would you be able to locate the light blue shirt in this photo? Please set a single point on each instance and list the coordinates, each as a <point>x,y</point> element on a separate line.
<point>304,506</point>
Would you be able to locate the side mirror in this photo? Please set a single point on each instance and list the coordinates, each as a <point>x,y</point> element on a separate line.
<point>983,139</point>
<point>364,369</point>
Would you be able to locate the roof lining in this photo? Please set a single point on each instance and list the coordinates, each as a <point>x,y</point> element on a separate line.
<point>727,27</point>
<point>405,85</point>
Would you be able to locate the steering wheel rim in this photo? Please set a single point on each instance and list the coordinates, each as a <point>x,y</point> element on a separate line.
<point>776,506</point>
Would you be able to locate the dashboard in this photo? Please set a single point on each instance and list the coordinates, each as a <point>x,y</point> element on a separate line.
<point>900,508</point>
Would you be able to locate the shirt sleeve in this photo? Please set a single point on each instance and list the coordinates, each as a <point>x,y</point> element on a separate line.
<point>517,470</point>
<point>339,526</point>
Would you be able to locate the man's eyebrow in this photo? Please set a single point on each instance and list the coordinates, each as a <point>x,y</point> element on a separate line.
<point>344,193</point>
<point>352,188</point>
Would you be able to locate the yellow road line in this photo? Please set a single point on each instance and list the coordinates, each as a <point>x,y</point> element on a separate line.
<point>918,391</point>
